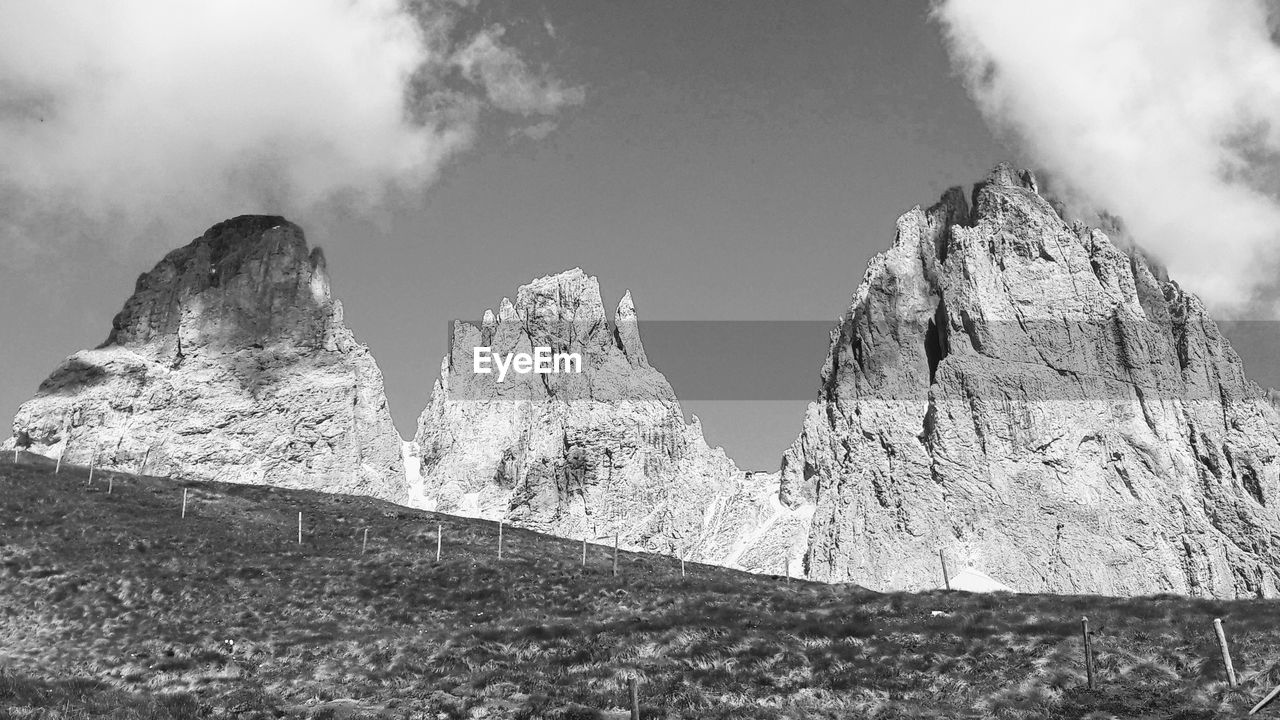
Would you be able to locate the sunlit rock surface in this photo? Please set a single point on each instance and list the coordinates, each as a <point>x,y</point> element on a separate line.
<point>1044,407</point>
<point>594,453</point>
<point>230,362</point>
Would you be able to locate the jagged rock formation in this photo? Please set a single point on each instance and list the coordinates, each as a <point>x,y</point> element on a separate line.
<point>1044,408</point>
<point>230,362</point>
<point>592,453</point>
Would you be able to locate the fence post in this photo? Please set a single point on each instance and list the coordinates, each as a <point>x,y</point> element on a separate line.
<point>682,554</point>
<point>145,457</point>
<point>439,539</point>
<point>787,569</point>
<point>634,690</point>
<point>1226,653</point>
<point>111,482</point>
<point>584,551</point>
<point>184,503</point>
<point>500,524</point>
<point>1088,652</point>
<point>946,576</point>
<point>1262,703</point>
<point>365,544</point>
<point>66,440</point>
<point>93,462</point>
<point>615,554</point>
<point>299,527</point>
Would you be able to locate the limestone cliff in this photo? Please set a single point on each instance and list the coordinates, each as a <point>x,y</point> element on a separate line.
<point>594,452</point>
<point>1041,406</point>
<point>229,362</point>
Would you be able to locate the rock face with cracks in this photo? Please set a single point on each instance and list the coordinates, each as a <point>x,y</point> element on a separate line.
<point>230,362</point>
<point>1039,405</point>
<point>591,453</point>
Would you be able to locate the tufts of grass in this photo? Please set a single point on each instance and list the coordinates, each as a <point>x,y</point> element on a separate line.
<point>113,606</point>
<point>26,697</point>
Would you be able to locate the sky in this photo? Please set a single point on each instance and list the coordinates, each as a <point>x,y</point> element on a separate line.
<point>722,160</point>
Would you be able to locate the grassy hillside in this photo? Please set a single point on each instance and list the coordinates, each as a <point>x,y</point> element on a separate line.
<point>114,606</point>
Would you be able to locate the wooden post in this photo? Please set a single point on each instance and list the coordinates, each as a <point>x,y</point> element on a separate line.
<point>184,503</point>
<point>1088,652</point>
<point>584,551</point>
<point>299,527</point>
<point>145,457</point>
<point>92,463</point>
<point>1226,653</point>
<point>634,690</point>
<point>111,482</point>
<point>946,577</point>
<point>58,468</point>
<point>787,569</point>
<point>439,538</point>
<point>1262,703</point>
<point>365,544</point>
<point>500,523</point>
<point>615,554</point>
<point>682,554</point>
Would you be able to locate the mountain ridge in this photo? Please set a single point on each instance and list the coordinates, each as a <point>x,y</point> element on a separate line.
<point>1020,393</point>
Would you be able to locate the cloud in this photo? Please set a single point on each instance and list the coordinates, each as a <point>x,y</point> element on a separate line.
<point>138,117</point>
<point>507,80</point>
<point>1167,114</point>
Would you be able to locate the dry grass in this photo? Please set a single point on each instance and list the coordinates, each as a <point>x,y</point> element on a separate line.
<point>111,606</point>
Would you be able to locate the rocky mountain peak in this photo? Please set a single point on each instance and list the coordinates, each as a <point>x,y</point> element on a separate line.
<point>1005,175</point>
<point>230,361</point>
<point>563,312</point>
<point>626,332</point>
<point>592,453</point>
<point>247,281</point>
<point>570,293</point>
<point>1041,405</point>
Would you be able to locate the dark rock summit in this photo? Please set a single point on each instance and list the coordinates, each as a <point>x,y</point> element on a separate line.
<point>247,281</point>
<point>229,362</point>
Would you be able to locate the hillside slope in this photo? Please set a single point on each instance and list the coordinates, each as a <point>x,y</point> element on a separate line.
<point>114,603</point>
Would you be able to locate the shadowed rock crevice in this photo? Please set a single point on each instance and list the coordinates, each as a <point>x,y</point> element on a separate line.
<point>935,342</point>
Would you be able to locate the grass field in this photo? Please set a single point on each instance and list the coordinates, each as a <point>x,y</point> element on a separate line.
<point>114,606</point>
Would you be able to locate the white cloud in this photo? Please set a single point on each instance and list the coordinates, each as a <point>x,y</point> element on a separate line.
<point>1167,113</point>
<point>157,114</point>
<point>507,80</point>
